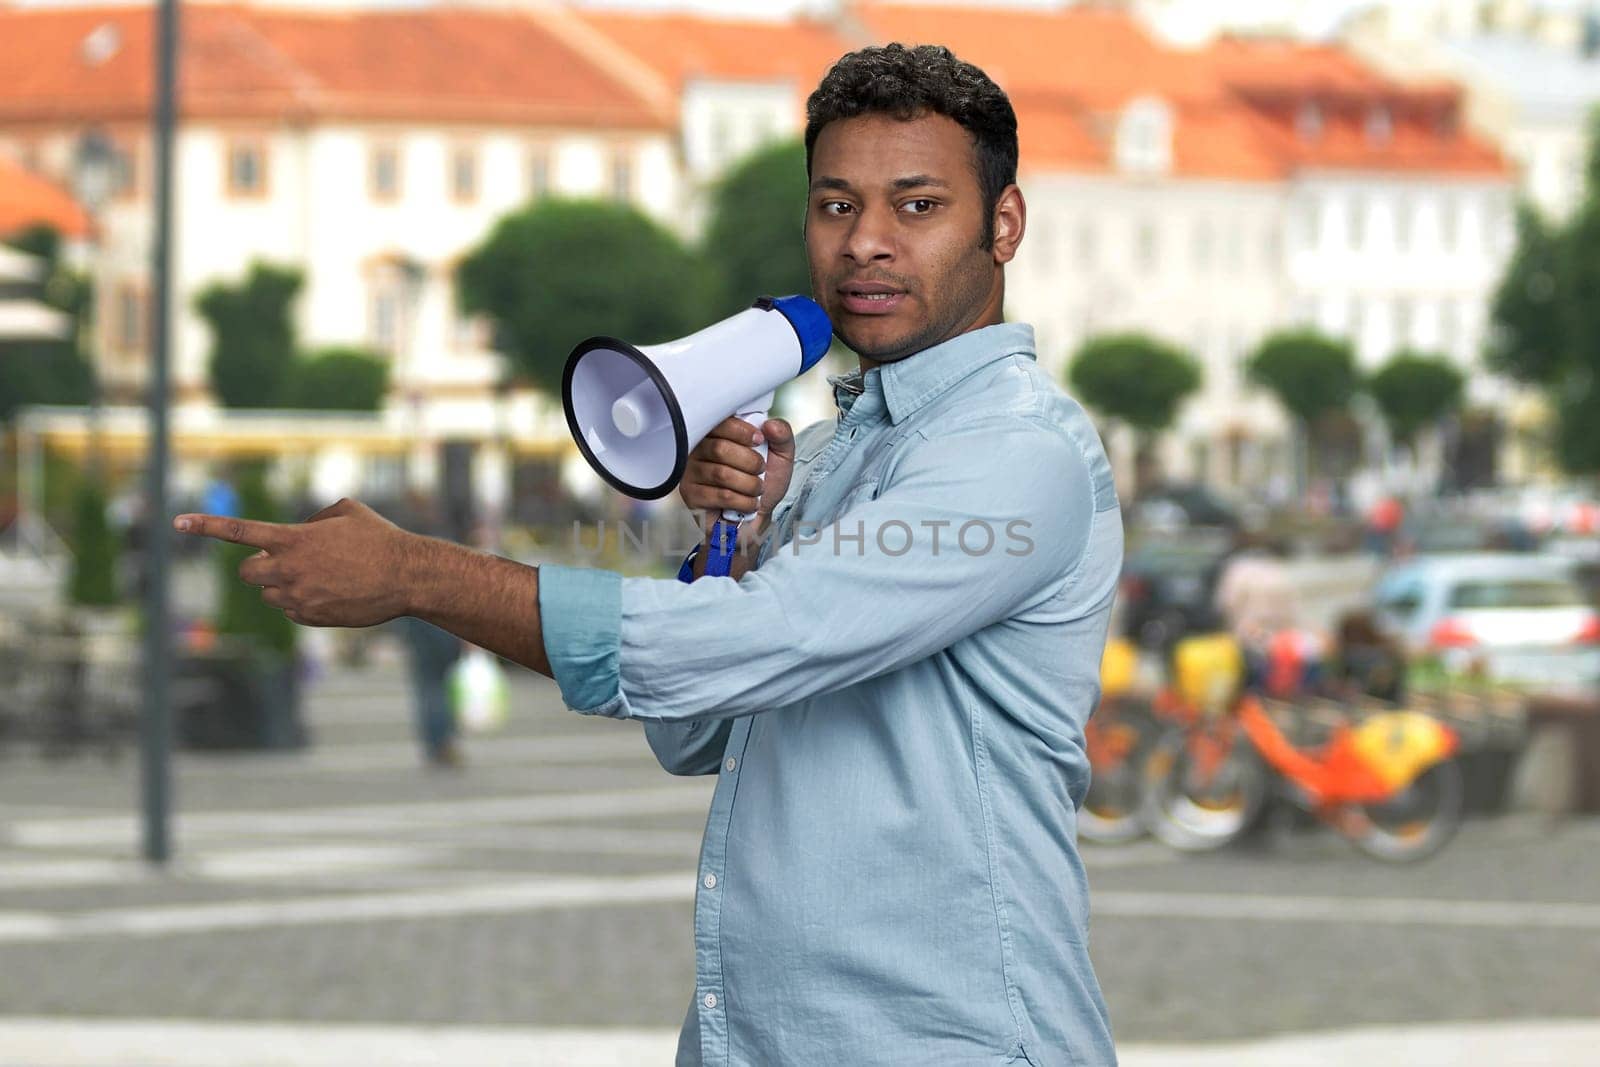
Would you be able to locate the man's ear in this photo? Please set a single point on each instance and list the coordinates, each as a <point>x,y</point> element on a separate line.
<point>1010,219</point>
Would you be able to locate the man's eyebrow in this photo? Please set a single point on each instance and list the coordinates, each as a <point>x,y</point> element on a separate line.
<point>916,181</point>
<point>910,181</point>
<point>831,183</point>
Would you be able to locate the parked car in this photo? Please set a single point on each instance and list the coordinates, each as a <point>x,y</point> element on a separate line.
<point>1179,507</point>
<point>1167,587</point>
<point>1524,617</point>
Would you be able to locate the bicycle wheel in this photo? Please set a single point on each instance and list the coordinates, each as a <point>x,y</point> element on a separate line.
<point>1203,786</point>
<point>1416,822</point>
<point>1111,811</point>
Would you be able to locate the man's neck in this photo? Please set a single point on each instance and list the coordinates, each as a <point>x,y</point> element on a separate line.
<point>992,314</point>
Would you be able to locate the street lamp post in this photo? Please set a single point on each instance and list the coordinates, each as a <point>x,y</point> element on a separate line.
<point>156,722</point>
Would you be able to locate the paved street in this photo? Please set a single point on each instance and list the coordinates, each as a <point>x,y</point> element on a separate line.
<point>548,886</point>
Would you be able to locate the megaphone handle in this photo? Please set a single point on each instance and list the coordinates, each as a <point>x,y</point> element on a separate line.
<point>755,415</point>
<point>724,541</point>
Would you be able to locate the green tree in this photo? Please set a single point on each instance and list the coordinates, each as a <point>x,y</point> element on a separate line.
<point>48,371</point>
<point>1546,316</point>
<point>1414,391</point>
<point>559,271</point>
<point>242,612</point>
<point>1577,415</point>
<point>755,238</point>
<point>252,335</point>
<point>94,549</point>
<point>1136,380</point>
<point>1312,375</point>
<point>338,378</point>
<point>1528,342</point>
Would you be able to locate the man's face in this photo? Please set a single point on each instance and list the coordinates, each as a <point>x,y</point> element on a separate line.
<point>894,234</point>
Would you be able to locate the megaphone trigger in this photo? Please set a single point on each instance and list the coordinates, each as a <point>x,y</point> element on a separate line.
<point>755,416</point>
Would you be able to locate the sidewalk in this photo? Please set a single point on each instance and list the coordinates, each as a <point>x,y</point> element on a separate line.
<point>149,1043</point>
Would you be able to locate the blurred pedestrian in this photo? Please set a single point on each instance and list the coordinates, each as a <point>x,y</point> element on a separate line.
<point>430,655</point>
<point>1383,525</point>
<point>1256,599</point>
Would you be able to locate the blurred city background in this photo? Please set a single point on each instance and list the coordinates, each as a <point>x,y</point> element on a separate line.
<point>1326,273</point>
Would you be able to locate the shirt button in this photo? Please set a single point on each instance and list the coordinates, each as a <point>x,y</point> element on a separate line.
<point>710,881</point>
<point>710,1001</point>
<point>731,764</point>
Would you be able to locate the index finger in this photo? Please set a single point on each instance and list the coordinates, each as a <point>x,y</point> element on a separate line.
<point>267,535</point>
<point>735,429</point>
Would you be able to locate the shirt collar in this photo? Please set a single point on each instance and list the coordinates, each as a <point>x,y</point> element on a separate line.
<point>910,383</point>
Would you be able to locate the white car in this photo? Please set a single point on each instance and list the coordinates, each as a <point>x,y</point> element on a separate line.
<point>1523,617</point>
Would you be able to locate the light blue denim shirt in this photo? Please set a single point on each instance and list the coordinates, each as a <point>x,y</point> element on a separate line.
<point>893,700</point>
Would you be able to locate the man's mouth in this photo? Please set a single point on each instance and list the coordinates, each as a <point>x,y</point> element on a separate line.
<point>870,298</point>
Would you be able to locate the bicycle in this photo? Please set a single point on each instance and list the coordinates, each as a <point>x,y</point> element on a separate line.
<point>1389,784</point>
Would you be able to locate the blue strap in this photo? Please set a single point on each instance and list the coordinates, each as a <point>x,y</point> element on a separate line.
<point>686,572</point>
<point>724,542</point>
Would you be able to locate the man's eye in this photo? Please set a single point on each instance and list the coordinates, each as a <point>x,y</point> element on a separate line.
<point>835,207</point>
<point>918,207</point>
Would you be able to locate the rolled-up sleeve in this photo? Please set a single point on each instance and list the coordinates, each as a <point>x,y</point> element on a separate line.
<point>580,614</point>
<point>968,528</point>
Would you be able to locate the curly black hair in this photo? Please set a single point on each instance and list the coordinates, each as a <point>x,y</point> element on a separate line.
<point>910,82</point>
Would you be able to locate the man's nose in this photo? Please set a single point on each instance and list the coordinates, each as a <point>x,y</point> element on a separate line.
<point>872,237</point>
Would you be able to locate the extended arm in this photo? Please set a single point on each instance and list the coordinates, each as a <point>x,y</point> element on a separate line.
<point>348,566</point>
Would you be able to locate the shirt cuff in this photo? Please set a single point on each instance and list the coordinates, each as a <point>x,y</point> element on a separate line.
<point>580,612</point>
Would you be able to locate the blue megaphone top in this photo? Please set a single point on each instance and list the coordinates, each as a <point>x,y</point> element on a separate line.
<point>810,324</point>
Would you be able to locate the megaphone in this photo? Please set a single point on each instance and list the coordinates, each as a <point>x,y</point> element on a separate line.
<point>636,411</point>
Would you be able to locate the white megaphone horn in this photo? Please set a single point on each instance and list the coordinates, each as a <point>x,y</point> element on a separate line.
<point>636,411</point>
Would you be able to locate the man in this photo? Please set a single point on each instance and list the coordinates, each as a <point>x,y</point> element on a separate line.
<point>892,692</point>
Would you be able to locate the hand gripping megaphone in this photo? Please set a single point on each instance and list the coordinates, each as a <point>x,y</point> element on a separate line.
<point>636,411</point>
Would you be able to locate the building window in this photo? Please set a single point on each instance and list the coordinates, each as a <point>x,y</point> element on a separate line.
<point>1404,318</point>
<point>721,136</point>
<point>124,171</point>
<point>1405,223</point>
<point>1359,216</point>
<point>1086,244</point>
<point>1144,137</point>
<point>538,174</point>
<point>247,168</point>
<point>1449,223</point>
<point>385,170</point>
<point>763,128</point>
<point>386,318</point>
<point>1044,247</point>
<point>1203,239</point>
<point>1380,126</point>
<point>128,326</point>
<point>621,176</point>
<point>1308,122</point>
<point>1146,250</point>
<point>1271,248</point>
<point>464,174</point>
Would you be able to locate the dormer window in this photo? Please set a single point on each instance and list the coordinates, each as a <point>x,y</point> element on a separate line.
<point>100,44</point>
<point>1380,126</point>
<point>1308,123</point>
<point>1144,137</point>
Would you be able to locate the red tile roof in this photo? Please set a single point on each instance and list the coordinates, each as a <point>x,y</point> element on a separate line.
<point>26,200</point>
<point>1069,74</point>
<point>1236,104</point>
<point>445,64</point>
<point>682,48</point>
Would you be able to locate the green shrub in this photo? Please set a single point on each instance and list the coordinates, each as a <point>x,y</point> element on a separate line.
<point>242,612</point>
<point>94,549</point>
